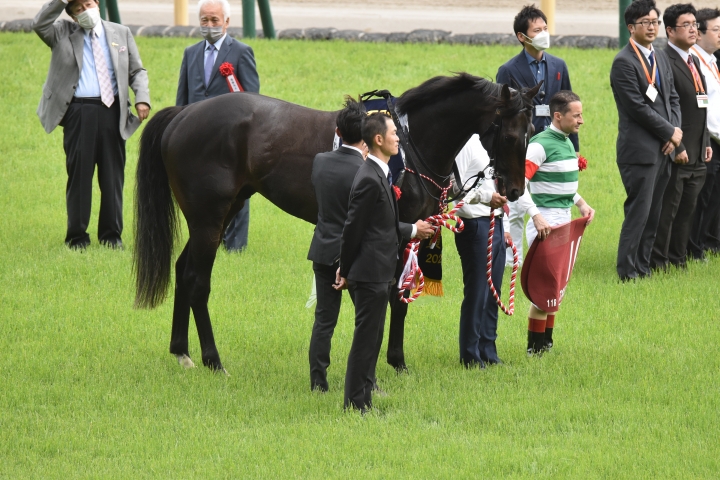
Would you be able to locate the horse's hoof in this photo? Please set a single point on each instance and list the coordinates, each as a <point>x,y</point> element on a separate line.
<point>400,369</point>
<point>185,361</point>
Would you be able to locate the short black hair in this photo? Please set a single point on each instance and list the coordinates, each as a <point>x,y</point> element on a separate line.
<point>674,11</point>
<point>528,14</point>
<point>638,9</point>
<point>349,121</point>
<point>703,15</point>
<point>374,124</point>
<point>560,102</point>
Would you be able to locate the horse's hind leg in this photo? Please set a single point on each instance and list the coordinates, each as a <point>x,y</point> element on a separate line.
<point>203,245</point>
<point>181,313</point>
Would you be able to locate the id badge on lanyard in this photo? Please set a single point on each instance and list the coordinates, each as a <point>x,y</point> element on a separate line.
<point>702,100</point>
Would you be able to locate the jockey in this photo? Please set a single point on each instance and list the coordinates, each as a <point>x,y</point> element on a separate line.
<point>551,172</point>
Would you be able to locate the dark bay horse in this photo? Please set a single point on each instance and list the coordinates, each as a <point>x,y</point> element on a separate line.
<point>213,155</point>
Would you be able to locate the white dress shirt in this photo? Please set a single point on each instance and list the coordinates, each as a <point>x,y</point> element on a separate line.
<point>473,159</point>
<point>713,90</point>
<point>215,52</point>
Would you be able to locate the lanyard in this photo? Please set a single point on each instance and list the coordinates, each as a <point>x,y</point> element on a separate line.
<point>651,80</point>
<point>693,72</point>
<point>712,67</point>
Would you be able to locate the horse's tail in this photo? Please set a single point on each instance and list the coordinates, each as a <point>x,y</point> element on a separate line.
<point>155,216</point>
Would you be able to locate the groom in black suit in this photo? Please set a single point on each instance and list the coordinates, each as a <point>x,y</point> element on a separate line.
<point>371,240</point>
<point>200,79</point>
<point>332,177</point>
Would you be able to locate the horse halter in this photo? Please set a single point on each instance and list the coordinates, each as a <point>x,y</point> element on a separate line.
<point>494,131</point>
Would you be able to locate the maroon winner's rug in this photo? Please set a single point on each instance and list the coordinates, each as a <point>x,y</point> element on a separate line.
<point>549,264</point>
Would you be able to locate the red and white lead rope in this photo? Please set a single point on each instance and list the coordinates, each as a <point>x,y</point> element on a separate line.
<point>407,278</point>
<point>510,309</point>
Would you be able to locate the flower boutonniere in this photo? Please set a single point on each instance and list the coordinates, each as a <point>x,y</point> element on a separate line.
<point>397,192</point>
<point>228,71</point>
<point>582,163</point>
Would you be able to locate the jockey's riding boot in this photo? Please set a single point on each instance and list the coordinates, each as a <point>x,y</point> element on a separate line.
<point>548,338</point>
<point>549,325</point>
<point>536,343</point>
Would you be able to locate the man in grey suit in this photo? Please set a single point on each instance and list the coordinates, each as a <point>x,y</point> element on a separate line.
<point>648,131</point>
<point>200,79</point>
<point>86,92</point>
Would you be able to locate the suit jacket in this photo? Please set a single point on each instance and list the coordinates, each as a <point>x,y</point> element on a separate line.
<point>191,86</point>
<point>643,126</point>
<point>372,233</point>
<point>332,177</point>
<point>694,119</point>
<point>557,79</point>
<point>66,38</point>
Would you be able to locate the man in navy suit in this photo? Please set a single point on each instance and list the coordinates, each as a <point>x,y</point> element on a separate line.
<point>527,69</point>
<point>200,79</point>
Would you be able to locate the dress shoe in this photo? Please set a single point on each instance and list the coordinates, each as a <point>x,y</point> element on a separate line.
<point>473,364</point>
<point>494,361</point>
<point>113,244</point>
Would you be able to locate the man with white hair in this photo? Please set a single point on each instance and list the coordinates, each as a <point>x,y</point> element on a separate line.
<point>200,79</point>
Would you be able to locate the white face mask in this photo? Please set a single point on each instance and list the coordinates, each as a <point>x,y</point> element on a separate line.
<point>89,18</point>
<point>540,42</point>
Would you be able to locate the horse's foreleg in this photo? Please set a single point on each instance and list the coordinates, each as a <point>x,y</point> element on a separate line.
<point>181,313</point>
<point>395,352</point>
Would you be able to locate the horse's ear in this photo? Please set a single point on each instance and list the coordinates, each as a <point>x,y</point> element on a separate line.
<point>506,93</point>
<point>530,94</point>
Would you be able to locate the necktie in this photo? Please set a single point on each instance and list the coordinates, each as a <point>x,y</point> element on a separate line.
<point>694,72</point>
<point>652,66</point>
<point>389,177</point>
<point>209,62</point>
<point>101,68</point>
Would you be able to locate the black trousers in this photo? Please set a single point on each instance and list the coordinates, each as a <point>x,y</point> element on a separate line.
<point>92,137</point>
<point>371,301</point>
<point>644,186</point>
<point>678,209</point>
<point>327,310</point>
<point>707,210</point>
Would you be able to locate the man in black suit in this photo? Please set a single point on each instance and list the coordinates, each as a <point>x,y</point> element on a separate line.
<point>688,170</point>
<point>531,66</point>
<point>371,240</point>
<point>332,177</point>
<point>648,131</point>
<point>200,79</point>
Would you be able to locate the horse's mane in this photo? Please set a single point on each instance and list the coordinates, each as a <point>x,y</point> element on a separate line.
<point>440,88</point>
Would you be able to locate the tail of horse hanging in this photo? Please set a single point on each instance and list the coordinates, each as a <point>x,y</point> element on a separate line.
<point>155,216</point>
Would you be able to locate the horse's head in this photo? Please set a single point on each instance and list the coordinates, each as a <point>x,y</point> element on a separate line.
<point>507,138</point>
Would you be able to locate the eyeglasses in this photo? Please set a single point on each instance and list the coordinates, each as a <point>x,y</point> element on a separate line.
<point>647,23</point>
<point>688,25</point>
<point>713,30</point>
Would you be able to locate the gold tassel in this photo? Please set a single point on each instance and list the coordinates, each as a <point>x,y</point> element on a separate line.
<point>433,288</point>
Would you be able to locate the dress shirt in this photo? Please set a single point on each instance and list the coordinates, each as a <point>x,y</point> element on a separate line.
<point>713,90</point>
<point>538,69</point>
<point>647,52</point>
<point>354,148</point>
<point>683,54</point>
<point>89,85</point>
<point>473,159</point>
<point>386,170</point>
<point>215,52</point>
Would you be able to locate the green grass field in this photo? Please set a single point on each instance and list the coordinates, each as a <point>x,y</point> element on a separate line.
<point>88,388</point>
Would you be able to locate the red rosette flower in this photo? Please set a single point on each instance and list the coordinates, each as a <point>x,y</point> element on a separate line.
<point>397,191</point>
<point>582,163</point>
<point>226,69</point>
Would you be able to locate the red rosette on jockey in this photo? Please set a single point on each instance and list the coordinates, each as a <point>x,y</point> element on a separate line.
<point>549,264</point>
<point>228,71</point>
<point>582,163</point>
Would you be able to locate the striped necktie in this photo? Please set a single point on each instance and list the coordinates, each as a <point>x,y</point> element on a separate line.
<point>101,68</point>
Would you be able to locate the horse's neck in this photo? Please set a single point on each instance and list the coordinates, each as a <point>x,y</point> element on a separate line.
<point>441,132</point>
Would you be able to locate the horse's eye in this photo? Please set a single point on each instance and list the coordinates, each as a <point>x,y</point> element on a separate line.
<point>510,138</point>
